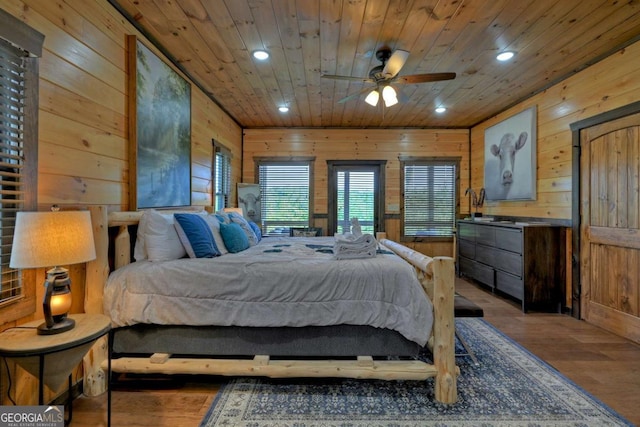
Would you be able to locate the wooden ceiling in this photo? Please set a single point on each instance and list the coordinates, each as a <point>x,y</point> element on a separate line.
<point>212,41</point>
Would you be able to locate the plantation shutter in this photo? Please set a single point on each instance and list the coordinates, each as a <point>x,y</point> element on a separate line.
<point>429,199</point>
<point>12,101</point>
<point>285,195</point>
<point>356,200</point>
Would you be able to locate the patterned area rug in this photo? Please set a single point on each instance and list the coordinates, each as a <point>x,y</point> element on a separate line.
<point>510,387</point>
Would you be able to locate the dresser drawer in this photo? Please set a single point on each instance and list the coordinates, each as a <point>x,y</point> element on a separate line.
<point>486,235</point>
<point>467,249</point>
<point>486,255</point>
<point>508,261</point>
<point>466,267</point>
<point>467,232</point>
<point>484,274</point>
<point>510,285</point>
<point>509,239</point>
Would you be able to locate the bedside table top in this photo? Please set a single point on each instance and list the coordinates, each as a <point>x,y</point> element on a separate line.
<point>24,341</point>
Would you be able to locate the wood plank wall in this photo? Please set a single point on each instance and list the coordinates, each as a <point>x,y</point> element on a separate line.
<point>362,144</point>
<point>610,83</point>
<point>83,151</point>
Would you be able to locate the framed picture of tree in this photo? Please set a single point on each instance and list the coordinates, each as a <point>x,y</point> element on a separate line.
<point>159,132</point>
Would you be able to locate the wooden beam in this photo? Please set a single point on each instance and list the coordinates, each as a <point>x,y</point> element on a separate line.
<point>384,370</point>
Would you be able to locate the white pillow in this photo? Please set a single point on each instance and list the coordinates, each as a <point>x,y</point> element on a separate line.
<point>161,241</point>
<point>139,251</point>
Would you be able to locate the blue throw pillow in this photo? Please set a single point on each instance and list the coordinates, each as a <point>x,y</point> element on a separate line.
<point>235,239</point>
<point>196,236</point>
<point>256,230</point>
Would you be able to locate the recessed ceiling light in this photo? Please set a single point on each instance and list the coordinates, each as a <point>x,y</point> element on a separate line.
<point>261,55</point>
<point>440,110</point>
<point>283,109</point>
<point>505,56</point>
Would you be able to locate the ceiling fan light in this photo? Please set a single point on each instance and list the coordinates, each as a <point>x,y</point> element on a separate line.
<point>440,110</point>
<point>372,98</point>
<point>390,102</point>
<point>388,93</point>
<point>283,109</point>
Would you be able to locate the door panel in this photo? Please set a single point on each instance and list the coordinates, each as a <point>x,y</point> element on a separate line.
<point>610,225</point>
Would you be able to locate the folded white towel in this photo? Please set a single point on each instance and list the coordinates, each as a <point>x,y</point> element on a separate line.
<point>351,247</point>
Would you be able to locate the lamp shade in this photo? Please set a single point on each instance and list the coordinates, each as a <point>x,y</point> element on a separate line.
<point>372,98</point>
<point>49,239</point>
<point>389,96</point>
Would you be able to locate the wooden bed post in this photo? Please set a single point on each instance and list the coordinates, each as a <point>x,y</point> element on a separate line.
<point>94,377</point>
<point>437,276</point>
<point>444,329</point>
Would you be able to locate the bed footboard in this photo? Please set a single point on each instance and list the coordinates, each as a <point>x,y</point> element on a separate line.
<point>437,276</point>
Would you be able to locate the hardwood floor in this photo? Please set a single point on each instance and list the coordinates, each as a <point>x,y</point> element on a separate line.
<point>604,364</point>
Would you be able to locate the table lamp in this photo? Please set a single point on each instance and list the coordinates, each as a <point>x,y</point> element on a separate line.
<point>53,239</point>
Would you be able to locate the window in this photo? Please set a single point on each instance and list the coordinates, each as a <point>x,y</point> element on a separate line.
<point>429,188</point>
<point>285,194</point>
<point>19,46</point>
<point>221,176</point>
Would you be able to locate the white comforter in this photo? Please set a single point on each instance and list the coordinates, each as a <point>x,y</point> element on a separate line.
<point>279,282</point>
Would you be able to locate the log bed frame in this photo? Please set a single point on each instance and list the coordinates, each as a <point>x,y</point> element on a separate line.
<point>435,274</point>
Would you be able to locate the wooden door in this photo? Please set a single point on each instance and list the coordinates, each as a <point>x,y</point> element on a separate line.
<point>610,225</point>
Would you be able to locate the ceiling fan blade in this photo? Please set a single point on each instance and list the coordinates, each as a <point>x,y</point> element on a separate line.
<point>395,63</point>
<point>425,78</point>
<point>350,78</point>
<point>355,95</point>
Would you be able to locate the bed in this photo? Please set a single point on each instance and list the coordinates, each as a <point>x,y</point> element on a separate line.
<point>262,311</point>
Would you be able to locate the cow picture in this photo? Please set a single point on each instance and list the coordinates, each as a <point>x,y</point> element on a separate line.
<point>510,158</point>
<point>249,201</point>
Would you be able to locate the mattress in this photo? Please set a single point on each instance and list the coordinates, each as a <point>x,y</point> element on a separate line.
<point>280,282</point>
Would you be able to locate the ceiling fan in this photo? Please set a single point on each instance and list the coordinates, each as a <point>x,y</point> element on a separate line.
<point>383,75</point>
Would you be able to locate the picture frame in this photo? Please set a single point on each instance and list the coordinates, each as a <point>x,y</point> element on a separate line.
<point>510,158</point>
<point>249,201</point>
<point>159,131</point>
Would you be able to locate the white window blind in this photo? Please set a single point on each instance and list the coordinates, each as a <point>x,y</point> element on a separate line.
<point>356,200</point>
<point>12,98</point>
<point>222,178</point>
<point>285,195</point>
<point>429,199</point>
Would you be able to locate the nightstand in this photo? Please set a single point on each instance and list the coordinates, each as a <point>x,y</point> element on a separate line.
<point>52,358</point>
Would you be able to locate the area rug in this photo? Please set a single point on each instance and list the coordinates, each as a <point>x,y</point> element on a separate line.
<point>509,387</point>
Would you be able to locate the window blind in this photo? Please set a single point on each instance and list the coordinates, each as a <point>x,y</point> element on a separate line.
<point>284,192</point>
<point>12,99</point>
<point>429,199</point>
<point>222,178</point>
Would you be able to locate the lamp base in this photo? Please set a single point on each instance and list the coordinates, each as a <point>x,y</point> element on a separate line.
<point>64,325</point>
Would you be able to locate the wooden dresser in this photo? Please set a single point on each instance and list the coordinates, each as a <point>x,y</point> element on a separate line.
<point>525,261</point>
